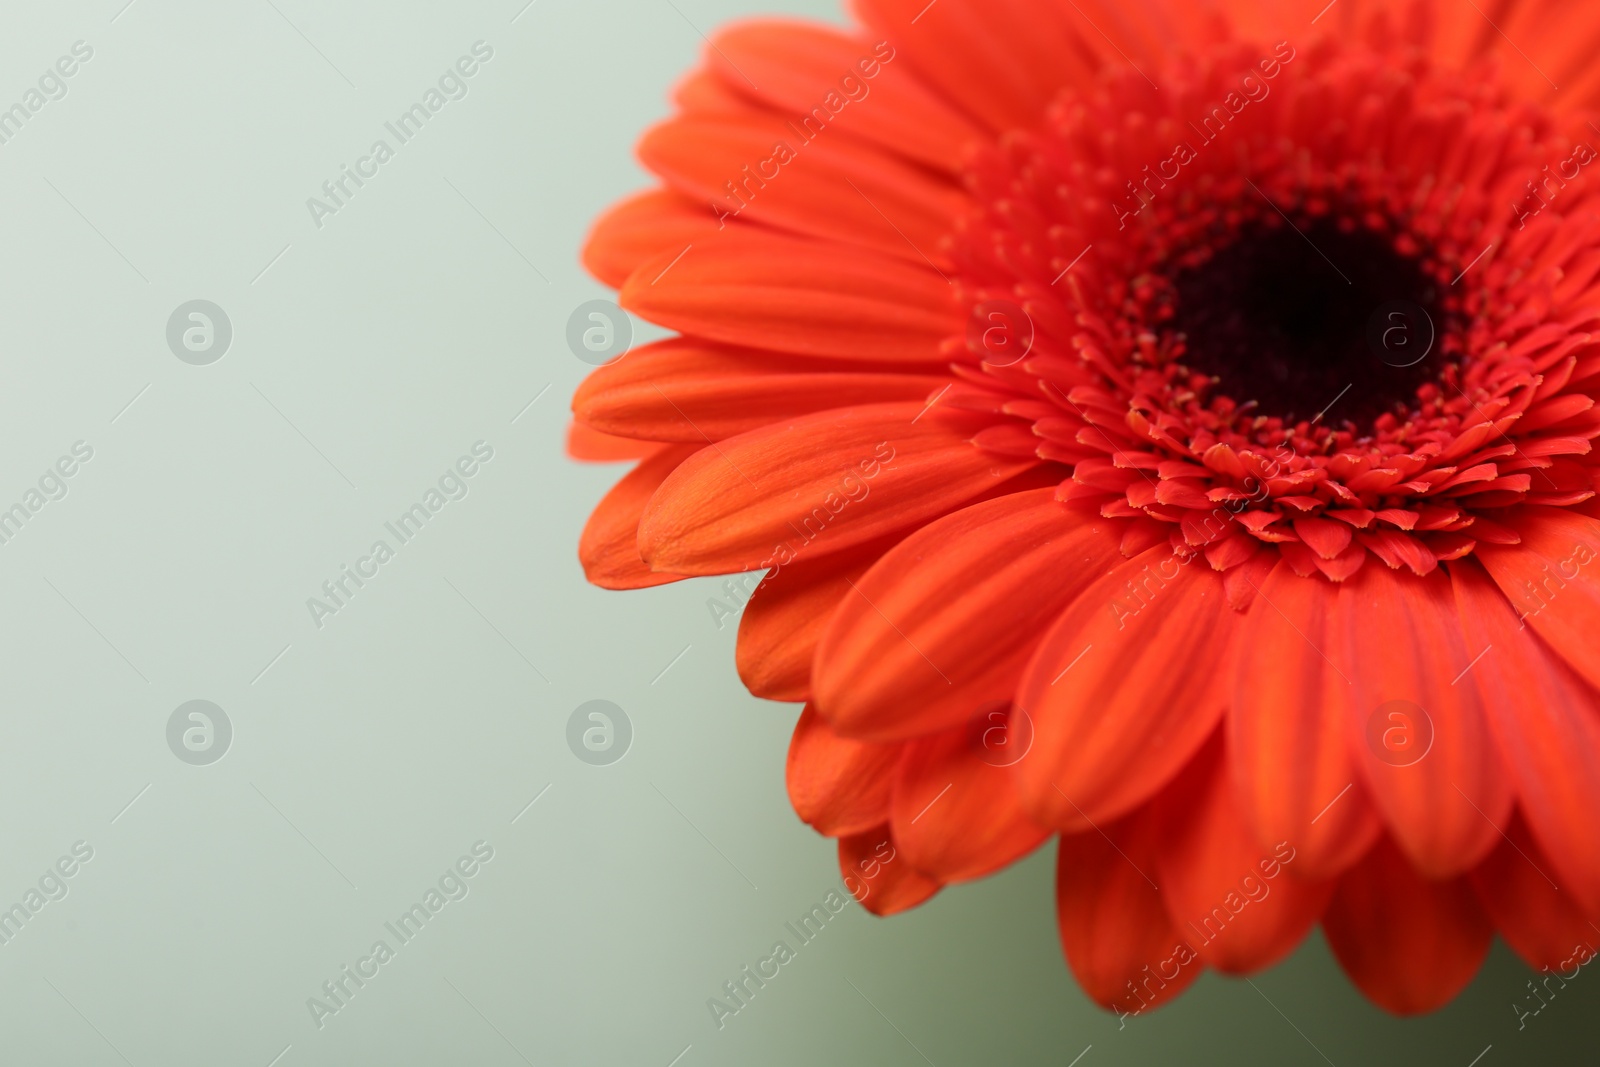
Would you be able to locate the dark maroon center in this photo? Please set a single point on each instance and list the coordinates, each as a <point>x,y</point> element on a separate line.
<point>1312,320</point>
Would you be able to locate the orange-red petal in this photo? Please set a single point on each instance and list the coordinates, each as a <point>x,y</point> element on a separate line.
<point>1398,640</point>
<point>1288,734</point>
<point>1124,688</point>
<point>761,169</point>
<point>692,391</point>
<point>786,616</point>
<point>837,785</point>
<point>789,294</point>
<point>642,227</point>
<point>1409,943</point>
<point>794,66</point>
<point>944,622</point>
<point>1003,61</point>
<point>954,811</point>
<point>815,484</point>
<point>1543,717</point>
<point>1516,886</point>
<point>1552,581</point>
<point>878,876</point>
<point>589,445</point>
<point>1118,940</point>
<point>609,547</point>
<point>1237,902</point>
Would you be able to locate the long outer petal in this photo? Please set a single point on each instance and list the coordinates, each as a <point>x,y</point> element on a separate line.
<point>1553,581</point>
<point>815,484</point>
<point>790,294</point>
<point>839,786</point>
<point>1545,726</point>
<point>1400,642</point>
<point>786,616</point>
<point>1124,688</point>
<point>1118,940</point>
<point>641,228</point>
<point>1541,923</point>
<point>878,876</point>
<point>1003,60</point>
<point>694,392</point>
<point>1409,943</point>
<point>794,66</point>
<point>840,189</point>
<point>1288,739</point>
<point>588,445</point>
<point>954,811</point>
<point>1223,891</point>
<point>944,622</point>
<point>609,546</point>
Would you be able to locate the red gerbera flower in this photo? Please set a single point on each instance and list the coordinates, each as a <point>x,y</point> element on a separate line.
<point>1164,425</point>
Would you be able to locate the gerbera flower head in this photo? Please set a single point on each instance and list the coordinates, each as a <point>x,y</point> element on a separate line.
<point>1162,426</point>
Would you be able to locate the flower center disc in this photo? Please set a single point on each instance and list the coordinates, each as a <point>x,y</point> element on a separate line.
<point>1286,319</point>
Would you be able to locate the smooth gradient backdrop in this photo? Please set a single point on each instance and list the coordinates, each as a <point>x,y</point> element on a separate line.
<point>412,736</point>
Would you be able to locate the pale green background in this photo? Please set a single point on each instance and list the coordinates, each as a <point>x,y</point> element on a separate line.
<point>377,750</point>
